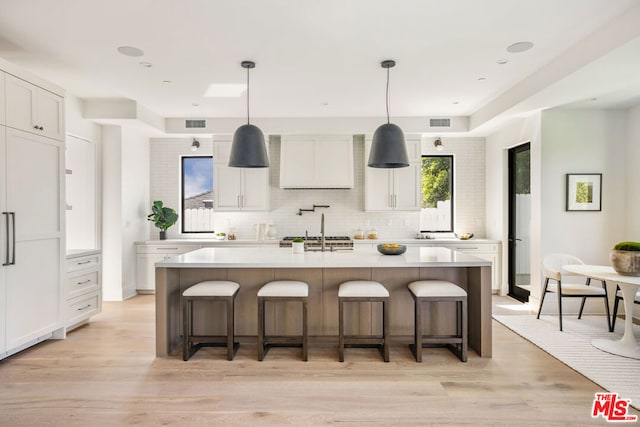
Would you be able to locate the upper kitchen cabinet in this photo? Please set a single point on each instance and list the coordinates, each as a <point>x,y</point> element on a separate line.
<point>34,109</point>
<point>316,161</point>
<point>2,107</point>
<point>396,189</point>
<point>238,189</point>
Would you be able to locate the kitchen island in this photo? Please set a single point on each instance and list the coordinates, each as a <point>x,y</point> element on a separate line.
<point>323,271</point>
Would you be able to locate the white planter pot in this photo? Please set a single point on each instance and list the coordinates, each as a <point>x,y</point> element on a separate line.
<point>297,247</point>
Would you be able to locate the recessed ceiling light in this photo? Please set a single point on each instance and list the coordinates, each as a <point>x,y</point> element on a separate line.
<point>502,61</point>
<point>146,64</point>
<point>519,47</point>
<point>225,90</point>
<point>130,51</point>
<point>482,78</point>
<point>594,99</point>
<point>166,81</point>
<point>195,104</point>
<point>455,103</point>
<point>324,104</point>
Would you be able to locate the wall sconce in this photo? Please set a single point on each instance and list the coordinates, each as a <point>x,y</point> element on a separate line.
<point>438,144</point>
<point>195,145</point>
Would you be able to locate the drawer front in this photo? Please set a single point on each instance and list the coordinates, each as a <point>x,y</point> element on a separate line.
<point>472,247</point>
<point>81,308</point>
<point>166,249</point>
<point>83,263</point>
<point>82,284</point>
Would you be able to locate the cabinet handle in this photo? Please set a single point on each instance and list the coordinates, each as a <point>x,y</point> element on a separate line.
<point>83,282</point>
<point>84,308</point>
<point>167,249</point>
<point>390,200</point>
<point>40,128</point>
<point>35,127</point>
<point>83,262</point>
<point>13,238</point>
<point>238,200</point>
<point>6,217</point>
<point>395,200</point>
<point>242,205</point>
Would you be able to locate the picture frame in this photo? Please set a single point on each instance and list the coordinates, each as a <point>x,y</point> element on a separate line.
<point>584,192</point>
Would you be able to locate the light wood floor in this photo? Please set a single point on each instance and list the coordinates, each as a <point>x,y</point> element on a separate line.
<point>105,373</point>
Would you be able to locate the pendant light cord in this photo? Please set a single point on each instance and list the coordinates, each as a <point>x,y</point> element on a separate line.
<point>247,95</point>
<point>387,96</point>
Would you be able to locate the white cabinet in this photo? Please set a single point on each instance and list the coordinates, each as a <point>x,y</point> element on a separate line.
<point>397,189</point>
<point>146,257</point>
<point>83,287</point>
<point>33,109</point>
<point>238,189</point>
<point>316,161</point>
<point>488,251</point>
<point>2,107</point>
<point>32,188</point>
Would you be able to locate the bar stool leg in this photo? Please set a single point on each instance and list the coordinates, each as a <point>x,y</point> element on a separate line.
<point>260,329</point>
<point>464,330</point>
<point>305,347</point>
<point>230,328</point>
<point>341,330</point>
<point>186,328</point>
<point>385,329</point>
<point>417,342</point>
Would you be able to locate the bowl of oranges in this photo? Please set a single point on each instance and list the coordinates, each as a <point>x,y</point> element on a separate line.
<point>391,249</point>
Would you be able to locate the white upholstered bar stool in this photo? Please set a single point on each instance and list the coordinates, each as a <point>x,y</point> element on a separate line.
<point>431,291</point>
<point>363,291</point>
<point>211,290</point>
<point>282,290</point>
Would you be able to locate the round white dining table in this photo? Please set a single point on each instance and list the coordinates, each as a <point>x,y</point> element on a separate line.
<point>627,346</point>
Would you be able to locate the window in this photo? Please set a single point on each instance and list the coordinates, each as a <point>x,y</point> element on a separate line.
<point>437,193</point>
<point>197,194</point>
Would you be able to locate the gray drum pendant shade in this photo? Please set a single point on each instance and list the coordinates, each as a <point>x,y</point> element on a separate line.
<point>388,149</point>
<point>248,149</point>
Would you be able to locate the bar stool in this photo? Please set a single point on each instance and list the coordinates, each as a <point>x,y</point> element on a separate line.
<point>282,290</point>
<point>428,291</point>
<point>363,291</point>
<point>212,290</point>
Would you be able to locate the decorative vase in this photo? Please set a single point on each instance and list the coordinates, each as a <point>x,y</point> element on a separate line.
<point>163,235</point>
<point>297,247</point>
<point>626,263</point>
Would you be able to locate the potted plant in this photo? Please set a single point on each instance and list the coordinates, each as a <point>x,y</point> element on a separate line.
<point>162,217</point>
<point>297,245</point>
<point>625,258</point>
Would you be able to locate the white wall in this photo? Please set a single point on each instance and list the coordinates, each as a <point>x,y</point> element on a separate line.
<point>125,198</point>
<point>632,175</point>
<point>346,213</point>
<point>516,132</point>
<point>583,141</point>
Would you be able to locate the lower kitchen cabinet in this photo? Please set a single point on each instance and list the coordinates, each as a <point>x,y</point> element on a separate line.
<point>146,257</point>
<point>83,288</point>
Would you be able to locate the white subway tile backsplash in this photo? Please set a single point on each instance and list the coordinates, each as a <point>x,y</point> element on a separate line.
<point>346,212</point>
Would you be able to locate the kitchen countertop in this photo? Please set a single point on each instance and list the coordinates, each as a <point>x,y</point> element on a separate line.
<point>262,257</point>
<point>77,253</point>
<point>403,241</point>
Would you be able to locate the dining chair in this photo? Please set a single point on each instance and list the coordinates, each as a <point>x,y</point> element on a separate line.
<point>617,303</point>
<point>552,270</point>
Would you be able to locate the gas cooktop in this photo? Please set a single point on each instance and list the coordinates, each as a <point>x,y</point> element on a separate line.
<point>315,241</point>
<point>314,238</point>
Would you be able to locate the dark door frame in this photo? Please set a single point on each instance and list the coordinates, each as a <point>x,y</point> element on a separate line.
<point>514,290</point>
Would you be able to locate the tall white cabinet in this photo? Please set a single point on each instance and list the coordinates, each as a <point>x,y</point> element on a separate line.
<point>32,238</point>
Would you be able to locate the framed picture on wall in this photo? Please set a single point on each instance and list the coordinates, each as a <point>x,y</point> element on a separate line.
<point>584,192</point>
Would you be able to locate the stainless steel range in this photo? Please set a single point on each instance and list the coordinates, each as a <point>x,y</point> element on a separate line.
<point>315,242</point>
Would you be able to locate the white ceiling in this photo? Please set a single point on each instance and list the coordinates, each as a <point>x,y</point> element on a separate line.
<point>322,58</point>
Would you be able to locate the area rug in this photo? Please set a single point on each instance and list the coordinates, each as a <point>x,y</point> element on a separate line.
<point>573,347</point>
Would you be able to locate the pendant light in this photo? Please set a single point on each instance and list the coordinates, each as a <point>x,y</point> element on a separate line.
<point>248,149</point>
<point>388,149</point>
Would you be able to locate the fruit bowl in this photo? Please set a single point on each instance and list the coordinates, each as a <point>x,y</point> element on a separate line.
<point>389,249</point>
<point>464,236</point>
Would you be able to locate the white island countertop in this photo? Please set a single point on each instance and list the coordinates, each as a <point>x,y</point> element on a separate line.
<point>269,257</point>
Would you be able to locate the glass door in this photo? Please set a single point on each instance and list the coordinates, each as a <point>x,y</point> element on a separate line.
<point>519,222</point>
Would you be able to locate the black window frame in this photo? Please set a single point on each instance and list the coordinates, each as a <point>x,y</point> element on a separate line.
<point>451,158</point>
<point>182,198</point>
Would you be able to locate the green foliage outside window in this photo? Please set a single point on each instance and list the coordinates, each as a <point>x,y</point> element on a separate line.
<point>437,172</point>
